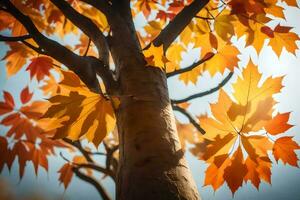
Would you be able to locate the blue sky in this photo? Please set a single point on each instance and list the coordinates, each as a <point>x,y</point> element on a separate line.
<point>285,179</point>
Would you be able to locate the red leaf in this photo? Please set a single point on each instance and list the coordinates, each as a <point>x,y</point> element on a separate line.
<point>25,95</point>
<point>3,151</point>
<point>66,174</point>
<point>268,31</point>
<point>9,100</point>
<point>40,67</point>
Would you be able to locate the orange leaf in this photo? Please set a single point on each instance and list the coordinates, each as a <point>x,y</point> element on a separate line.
<point>234,174</point>
<point>284,149</point>
<point>279,124</point>
<point>252,174</point>
<point>215,172</point>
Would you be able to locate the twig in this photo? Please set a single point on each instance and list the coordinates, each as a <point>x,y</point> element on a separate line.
<point>201,94</point>
<point>191,119</point>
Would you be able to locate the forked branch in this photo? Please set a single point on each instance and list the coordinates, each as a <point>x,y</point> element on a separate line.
<point>87,26</point>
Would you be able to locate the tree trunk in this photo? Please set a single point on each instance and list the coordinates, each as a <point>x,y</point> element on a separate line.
<point>152,163</point>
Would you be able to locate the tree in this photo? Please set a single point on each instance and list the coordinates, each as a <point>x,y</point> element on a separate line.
<point>115,81</point>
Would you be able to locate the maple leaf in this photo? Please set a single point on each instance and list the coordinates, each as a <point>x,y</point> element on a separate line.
<point>66,171</point>
<point>145,6</point>
<point>3,151</point>
<point>224,27</point>
<point>25,95</point>
<point>66,174</point>
<point>234,173</point>
<point>284,38</point>
<point>8,104</point>
<point>39,67</point>
<point>284,148</point>
<point>155,56</point>
<point>16,57</point>
<point>215,171</point>
<point>226,57</point>
<point>93,116</point>
<point>234,126</point>
<point>173,55</point>
<point>29,144</point>
<point>278,124</point>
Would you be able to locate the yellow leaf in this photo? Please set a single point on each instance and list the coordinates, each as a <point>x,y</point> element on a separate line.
<point>226,57</point>
<point>155,56</point>
<point>284,38</point>
<point>224,27</point>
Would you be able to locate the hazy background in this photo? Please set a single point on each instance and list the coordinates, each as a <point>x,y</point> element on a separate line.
<point>285,179</point>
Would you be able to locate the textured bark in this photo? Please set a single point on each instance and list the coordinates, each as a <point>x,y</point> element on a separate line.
<point>152,163</point>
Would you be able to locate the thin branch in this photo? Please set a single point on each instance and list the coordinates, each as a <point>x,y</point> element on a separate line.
<point>14,39</point>
<point>194,65</point>
<point>110,151</point>
<point>87,26</point>
<point>178,24</point>
<point>97,168</point>
<point>205,18</point>
<point>92,181</point>
<point>201,94</point>
<point>97,153</point>
<point>64,158</point>
<point>91,164</point>
<point>23,40</point>
<point>88,47</point>
<point>78,145</point>
<point>189,116</point>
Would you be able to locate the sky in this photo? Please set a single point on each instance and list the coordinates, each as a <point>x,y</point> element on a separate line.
<point>285,179</point>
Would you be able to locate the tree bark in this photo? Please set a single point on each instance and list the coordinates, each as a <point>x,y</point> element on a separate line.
<point>152,163</point>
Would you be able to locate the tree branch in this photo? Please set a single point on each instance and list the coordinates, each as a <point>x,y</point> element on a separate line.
<point>14,39</point>
<point>194,65</point>
<point>87,48</point>
<point>80,65</point>
<point>78,145</point>
<point>101,5</point>
<point>23,40</point>
<point>189,116</point>
<point>109,156</point>
<point>91,164</point>
<point>97,168</point>
<point>177,25</point>
<point>92,181</point>
<point>87,26</point>
<point>201,94</point>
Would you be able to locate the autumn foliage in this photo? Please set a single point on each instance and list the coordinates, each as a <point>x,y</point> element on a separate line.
<point>55,110</point>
